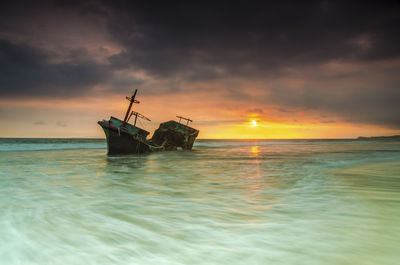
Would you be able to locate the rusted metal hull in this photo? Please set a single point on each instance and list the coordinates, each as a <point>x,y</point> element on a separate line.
<point>120,141</point>
<point>173,135</point>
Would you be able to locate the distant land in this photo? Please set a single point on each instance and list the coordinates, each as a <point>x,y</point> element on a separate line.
<point>393,137</point>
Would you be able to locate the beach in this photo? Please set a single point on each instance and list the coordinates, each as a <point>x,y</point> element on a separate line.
<point>64,201</point>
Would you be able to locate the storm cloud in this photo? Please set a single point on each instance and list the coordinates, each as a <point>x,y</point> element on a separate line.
<point>24,71</point>
<point>336,57</point>
<point>210,39</point>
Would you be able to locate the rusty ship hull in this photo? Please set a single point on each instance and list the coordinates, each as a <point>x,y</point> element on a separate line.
<point>173,135</point>
<point>122,140</point>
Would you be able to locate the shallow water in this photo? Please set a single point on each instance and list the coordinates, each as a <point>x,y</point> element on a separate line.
<point>225,202</point>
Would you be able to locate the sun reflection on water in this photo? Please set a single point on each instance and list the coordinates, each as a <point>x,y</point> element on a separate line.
<point>255,150</point>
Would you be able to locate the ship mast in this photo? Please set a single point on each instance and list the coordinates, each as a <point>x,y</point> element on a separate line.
<point>132,100</point>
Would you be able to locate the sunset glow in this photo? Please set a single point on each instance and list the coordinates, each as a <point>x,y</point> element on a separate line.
<point>60,83</point>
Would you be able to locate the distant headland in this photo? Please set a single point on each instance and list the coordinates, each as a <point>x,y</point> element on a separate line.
<point>393,137</point>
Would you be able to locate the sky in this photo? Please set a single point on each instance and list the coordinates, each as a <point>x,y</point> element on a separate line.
<point>238,69</point>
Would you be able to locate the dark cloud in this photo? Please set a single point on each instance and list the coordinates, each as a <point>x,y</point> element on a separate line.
<point>206,40</point>
<point>24,71</point>
<point>202,40</point>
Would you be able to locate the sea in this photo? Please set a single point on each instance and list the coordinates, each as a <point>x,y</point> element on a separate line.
<point>64,201</point>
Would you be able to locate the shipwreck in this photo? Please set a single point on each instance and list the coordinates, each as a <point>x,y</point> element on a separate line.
<point>126,138</point>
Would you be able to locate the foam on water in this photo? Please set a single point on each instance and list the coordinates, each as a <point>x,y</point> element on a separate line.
<point>226,202</point>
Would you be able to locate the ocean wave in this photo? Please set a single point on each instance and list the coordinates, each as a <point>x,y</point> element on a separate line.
<point>231,143</point>
<point>42,144</point>
<point>48,144</point>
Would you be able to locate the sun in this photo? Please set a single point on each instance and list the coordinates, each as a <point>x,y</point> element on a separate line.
<point>254,123</point>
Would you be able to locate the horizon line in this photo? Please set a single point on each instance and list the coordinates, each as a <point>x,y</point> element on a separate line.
<point>232,139</point>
